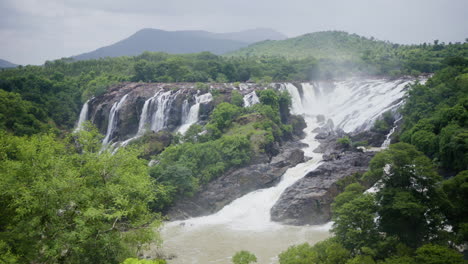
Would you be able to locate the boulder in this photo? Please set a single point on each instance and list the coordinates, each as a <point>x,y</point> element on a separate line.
<point>308,201</point>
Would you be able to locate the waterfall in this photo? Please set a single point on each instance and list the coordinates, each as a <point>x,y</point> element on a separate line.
<point>185,111</point>
<point>350,104</point>
<point>251,99</point>
<point>83,116</point>
<point>245,222</point>
<point>191,117</point>
<point>155,111</point>
<point>388,138</point>
<point>112,124</point>
<point>297,107</point>
<point>159,117</point>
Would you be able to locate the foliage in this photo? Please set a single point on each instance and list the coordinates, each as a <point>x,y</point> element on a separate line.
<point>300,254</point>
<point>19,116</point>
<point>435,254</point>
<point>353,216</point>
<point>409,201</point>
<point>244,257</point>
<point>384,124</point>
<point>237,99</point>
<point>224,114</point>
<point>344,142</point>
<point>436,118</point>
<point>340,54</point>
<point>185,166</point>
<point>60,203</point>
<point>143,261</point>
<point>325,252</point>
<point>456,190</point>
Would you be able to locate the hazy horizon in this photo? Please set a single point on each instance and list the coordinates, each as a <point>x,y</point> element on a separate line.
<point>33,31</point>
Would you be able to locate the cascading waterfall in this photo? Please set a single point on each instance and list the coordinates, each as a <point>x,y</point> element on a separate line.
<point>388,138</point>
<point>158,121</point>
<point>112,125</point>
<point>154,115</point>
<point>83,116</point>
<point>251,99</point>
<point>245,223</point>
<point>191,117</point>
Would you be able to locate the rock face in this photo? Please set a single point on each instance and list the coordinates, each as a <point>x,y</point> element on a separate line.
<point>238,182</point>
<point>178,99</point>
<point>308,200</point>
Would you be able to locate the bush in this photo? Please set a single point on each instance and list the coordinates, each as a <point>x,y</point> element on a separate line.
<point>237,99</point>
<point>244,257</point>
<point>345,142</point>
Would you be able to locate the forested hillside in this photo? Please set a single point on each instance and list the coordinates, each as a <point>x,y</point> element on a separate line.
<point>350,52</point>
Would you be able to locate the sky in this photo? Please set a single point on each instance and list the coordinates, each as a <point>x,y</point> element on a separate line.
<point>33,31</point>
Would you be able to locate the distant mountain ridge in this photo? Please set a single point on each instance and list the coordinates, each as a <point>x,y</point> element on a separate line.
<point>7,64</point>
<point>179,42</point>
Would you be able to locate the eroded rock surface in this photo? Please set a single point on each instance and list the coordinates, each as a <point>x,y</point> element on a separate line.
<point>308,200</point>
<point>238,182</point>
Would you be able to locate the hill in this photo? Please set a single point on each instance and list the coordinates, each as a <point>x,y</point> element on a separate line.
<point>339,53</point>
<point>7,64</point>
<point>179,42</point>
<point>326,44</point>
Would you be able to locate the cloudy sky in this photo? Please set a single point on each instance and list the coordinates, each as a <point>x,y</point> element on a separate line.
<point>32,31</point>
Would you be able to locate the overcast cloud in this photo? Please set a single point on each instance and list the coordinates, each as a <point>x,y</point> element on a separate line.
<point>33,31</point>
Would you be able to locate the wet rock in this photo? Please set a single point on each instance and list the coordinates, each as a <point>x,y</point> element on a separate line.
<point>236,183</point>
<point>308,200</point>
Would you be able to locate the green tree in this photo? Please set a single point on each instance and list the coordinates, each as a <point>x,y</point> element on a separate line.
<point>353,217</point>
<point>425,141</point>
<point>453,146</point>
<point>269,97</point>
<point>299,254</point>
<point>456,190</point>
<point>237,99</point>
<point>436,254</point>
<point>60,204</point>
<point>19,116</point>
<point>244,257</point>
<point>143,261</point>
<point>409,198</point>
<point>224,114</point>
<point>324,252</point>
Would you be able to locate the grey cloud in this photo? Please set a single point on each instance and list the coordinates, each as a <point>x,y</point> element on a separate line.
<point>49,29</point>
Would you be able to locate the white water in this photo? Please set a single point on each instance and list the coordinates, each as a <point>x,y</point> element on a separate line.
<point>251,99</point>
<point>112,124</point>
<point>154,115</point>
<point>191,117</point>
<point>158,121</point>
<point>245,223</point>
<point>83,116</point>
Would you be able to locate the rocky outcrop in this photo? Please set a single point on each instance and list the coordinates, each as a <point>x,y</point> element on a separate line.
<point>308,200</point>
<point>238,182</point>
<point>128,116</point>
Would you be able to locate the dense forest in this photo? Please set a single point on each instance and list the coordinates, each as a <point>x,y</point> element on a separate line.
<point>66,200</point>
<point>343,53</point>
